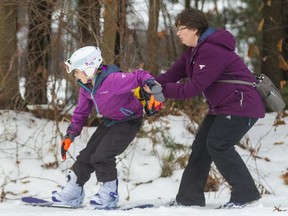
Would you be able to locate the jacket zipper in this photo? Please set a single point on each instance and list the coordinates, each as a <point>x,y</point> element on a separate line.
<point>95,103</point>
<point>92,98</point>
<point>241,99</point>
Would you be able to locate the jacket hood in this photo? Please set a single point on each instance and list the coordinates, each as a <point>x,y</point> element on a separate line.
<point>219,37</point>
<point>106,70</point>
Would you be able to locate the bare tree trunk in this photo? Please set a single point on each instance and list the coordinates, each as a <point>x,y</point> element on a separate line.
<point>120,47</point>
<point>9,85</point>
<point>273,32</point>
<point>88,22</point>
<point>284,51</point>
<point>38,51</point>
<point>188,2</point>
<point>110,31</point>
<point>285,56</point>
<point>171,56</point>
<point>152,37</point>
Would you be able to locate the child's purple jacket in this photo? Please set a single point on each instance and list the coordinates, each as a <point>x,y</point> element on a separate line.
<point>113,99</point>
<point>213,59</point>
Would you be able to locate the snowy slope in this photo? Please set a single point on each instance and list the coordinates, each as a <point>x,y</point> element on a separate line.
<point>29,145</point>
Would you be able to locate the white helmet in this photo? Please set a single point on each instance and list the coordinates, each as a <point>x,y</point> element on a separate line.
<point>87,59</point>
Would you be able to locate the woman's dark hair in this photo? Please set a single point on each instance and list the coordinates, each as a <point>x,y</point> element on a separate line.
<point>193,19</point>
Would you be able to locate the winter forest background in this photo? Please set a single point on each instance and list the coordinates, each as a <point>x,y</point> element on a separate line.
<point>37,36</point>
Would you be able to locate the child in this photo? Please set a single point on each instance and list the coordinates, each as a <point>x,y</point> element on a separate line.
<point>110,92</point>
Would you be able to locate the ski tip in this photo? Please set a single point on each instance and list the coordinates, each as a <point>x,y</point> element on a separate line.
<point>142,206</point>
<point>33,200</point>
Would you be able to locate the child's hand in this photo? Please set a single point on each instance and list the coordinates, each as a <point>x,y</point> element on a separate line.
<point>65,146</point>
<point>157,105</point>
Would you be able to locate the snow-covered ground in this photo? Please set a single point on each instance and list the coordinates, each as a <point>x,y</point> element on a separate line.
<point>30,164</point>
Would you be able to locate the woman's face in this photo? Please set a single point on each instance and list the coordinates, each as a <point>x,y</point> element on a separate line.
<point>187,36</point>
<point>80,75</point>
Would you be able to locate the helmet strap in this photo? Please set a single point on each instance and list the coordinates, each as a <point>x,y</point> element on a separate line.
<point>90,80</point>
<point>103,67</point>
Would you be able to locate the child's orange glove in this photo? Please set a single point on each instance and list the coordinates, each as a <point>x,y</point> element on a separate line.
<point>154,104</point>
<point>65,146</point>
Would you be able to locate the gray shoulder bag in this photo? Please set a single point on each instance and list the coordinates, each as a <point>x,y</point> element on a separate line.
<point>270,95</point>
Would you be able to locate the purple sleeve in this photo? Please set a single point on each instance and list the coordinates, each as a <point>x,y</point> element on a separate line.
<point>125,82</point>
<point>208,66</point>
<point>80,114</point>
<point>175,73</point>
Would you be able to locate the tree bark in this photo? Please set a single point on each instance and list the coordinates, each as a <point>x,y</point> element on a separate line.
<point>9,85</point>
<point>88,22</point>
<point>38,51</point>
<point>273,32</point>
<point>110,30</point>
<point>152,37</point>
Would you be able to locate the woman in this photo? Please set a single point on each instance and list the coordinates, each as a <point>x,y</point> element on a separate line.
<point>233,108</point>
<point>109,91</point>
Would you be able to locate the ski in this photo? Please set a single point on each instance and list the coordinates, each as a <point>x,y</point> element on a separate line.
<point>33,201</point>
<point>137,206</point>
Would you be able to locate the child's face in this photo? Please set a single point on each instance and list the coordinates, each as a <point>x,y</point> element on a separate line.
<point>80,75</point>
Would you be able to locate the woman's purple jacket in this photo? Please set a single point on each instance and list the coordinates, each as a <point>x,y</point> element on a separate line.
<point>213,59</point>
<point>114,99</point>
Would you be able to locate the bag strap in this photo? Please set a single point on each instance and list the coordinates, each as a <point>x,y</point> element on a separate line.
<point>253,84</point>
